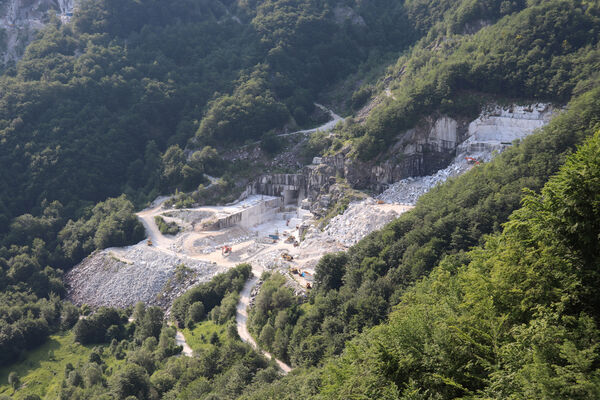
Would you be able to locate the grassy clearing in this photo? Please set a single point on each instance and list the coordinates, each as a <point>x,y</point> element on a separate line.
<point>42,370</point>
<point>199,337</point>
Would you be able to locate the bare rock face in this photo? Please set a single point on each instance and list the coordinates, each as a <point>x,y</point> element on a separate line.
<point>342,14</point>
<point>21,19</point>
<point>433,145</point>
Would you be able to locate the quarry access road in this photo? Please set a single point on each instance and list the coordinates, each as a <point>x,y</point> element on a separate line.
<point>241,318</point>
<point>163,243</point>
<point>326,127</point>
<point>180,341</point>
<point>159,240</point>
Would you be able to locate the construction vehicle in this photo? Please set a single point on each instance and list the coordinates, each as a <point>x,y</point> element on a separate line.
<point>290,239</point>
<point>380,202</point>
<point>296,243</point>
<point>294,271</point>
<point>225,251</point>
<point>472,160</point>
<point>308,285</point>
<point>149,242</point>
<point>287,257</point>
<point>274,237</point>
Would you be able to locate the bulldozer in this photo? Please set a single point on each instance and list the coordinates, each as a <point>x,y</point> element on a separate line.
<point>472,160</point>
<point>287,257</point>
<point>290,239</point>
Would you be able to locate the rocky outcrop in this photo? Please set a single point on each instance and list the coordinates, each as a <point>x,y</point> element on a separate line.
<point>342,13</point>
<point>429,147</point>
<point>291,188</point>
<point>434,149</point>
<point>21,19</point>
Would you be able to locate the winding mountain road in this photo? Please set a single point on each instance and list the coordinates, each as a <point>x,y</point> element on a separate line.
<point>163,243</point>
<point>241,319</point>
<point>180,341</point>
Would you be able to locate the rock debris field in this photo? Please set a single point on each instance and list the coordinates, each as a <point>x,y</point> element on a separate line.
<point>408,191</point>
<point>122,277</point>
<point>356,222</point>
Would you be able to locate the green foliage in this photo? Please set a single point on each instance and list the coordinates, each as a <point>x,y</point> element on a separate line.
<point>166,228</point>
<point>147,369</point>
<point>514,319</point>
<point>248,113</point>
<point>13,380</point>
<point>148,322</point>
<point>272,317</point>
<point>94,328</point>
<point>109,224</point>
<point>131,381</point>
<point>212,294</point>
<point>316,144</point>
<point>196,313</point>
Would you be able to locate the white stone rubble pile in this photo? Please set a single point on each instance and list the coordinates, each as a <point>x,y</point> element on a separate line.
<point>356,222</point>
<point>408,191</point>
<point>122,277</point>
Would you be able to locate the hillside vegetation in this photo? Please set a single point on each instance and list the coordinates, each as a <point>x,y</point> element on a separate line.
<point>487,289</point>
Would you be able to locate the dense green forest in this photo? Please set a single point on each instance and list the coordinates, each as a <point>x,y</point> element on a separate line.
<point>487,289</point>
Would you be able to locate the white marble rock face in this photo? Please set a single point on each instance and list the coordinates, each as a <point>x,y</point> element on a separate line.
<point>21,19</point>
<point>504,125</point>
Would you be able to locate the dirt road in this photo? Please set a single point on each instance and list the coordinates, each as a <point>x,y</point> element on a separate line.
<point>241,319</point>
<point>180,341</point>
<point>163,243</point>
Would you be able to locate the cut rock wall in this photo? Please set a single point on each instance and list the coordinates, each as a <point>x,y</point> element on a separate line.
<point>431,146</point>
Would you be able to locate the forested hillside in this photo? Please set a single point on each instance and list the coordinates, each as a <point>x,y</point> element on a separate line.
<point>488,288</point>
<point>104,105</point>
<point>513,317</point>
